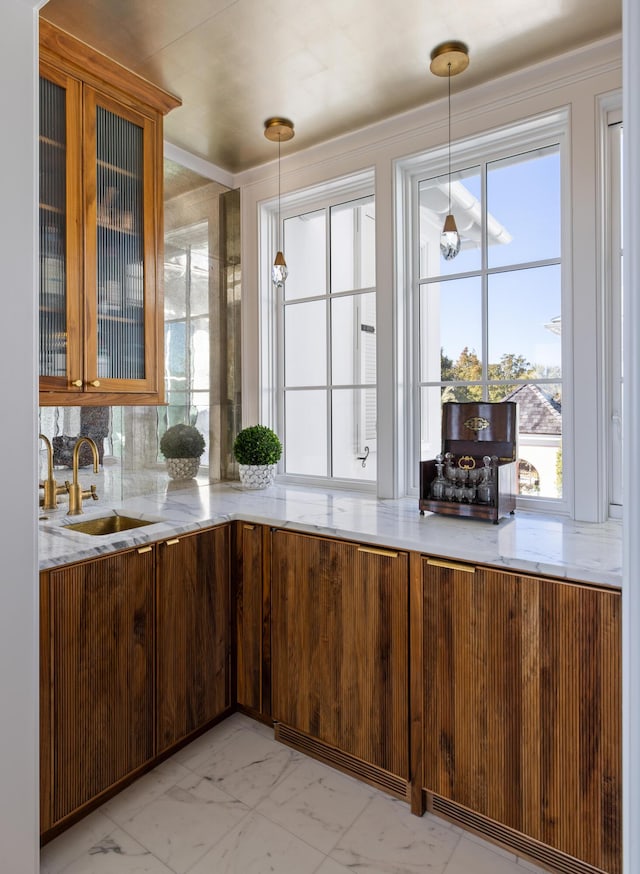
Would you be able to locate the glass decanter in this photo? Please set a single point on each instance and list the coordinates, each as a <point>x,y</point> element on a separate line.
<point>486,490</point>
<point>438,484</point>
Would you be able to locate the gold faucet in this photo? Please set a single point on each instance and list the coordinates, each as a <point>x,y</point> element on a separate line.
<point>76,494</point>
<point>49,501</point>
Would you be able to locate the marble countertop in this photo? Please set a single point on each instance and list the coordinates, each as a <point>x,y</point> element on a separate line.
<point>534,543</point>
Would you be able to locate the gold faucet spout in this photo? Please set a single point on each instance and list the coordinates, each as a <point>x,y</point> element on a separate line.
<point>75,490</point>
<point>49,500</point>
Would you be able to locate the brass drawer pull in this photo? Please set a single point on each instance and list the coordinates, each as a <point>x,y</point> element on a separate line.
<point>372,551</point>
<point>144,549</point>
<point>172,542</point>
<point>77,383</point>
<point>452,565</point>
<point>249,527</point>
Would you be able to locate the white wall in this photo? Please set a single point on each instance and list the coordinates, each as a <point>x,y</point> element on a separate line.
<point>18,545</point>
<point>631,557</point>
<point>572,80</point>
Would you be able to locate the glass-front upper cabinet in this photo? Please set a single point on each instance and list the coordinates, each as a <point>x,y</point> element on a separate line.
<point>101,314</point>
<point>60,207</point>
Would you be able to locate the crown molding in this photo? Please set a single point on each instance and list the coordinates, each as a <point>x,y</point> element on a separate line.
<point>198,165</point>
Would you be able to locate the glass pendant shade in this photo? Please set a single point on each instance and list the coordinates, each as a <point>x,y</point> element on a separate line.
<point>449,239</point>
<point>279,271</point>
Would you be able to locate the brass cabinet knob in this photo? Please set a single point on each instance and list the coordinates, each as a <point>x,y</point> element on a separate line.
<point>77,382</point>
<point>95,383</point>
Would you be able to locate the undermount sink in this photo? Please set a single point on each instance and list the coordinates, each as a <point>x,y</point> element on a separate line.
<point>107,525</point>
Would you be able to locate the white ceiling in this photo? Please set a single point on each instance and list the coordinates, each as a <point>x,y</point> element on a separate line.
<point>330,65</point>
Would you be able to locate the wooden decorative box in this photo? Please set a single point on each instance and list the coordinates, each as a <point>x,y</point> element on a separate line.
<point>472,432</point>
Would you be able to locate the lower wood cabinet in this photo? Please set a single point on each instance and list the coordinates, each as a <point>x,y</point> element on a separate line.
<point>193,633</point>
<point>340,650</point>
<point>493,697</point>
<point>253,619</point>
<point>98,678</point>
<point>134,657</point>
<point>522,710</point>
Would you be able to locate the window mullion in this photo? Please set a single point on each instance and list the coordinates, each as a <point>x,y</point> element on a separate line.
<point>328,314</point>
<point>187,331</point>
<point>484,261</point>
<point>281,395</point>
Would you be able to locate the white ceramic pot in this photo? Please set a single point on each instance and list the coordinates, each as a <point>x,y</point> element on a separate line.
<point>182,468</point>
<point>257,476</point>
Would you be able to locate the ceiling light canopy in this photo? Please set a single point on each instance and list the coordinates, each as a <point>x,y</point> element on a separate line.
<point>279,130</point>
<point>454,53</point>
<point>448,59</point>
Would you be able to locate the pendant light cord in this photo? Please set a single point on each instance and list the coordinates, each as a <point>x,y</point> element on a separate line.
<point>449,117</point>
<point>279,143</point>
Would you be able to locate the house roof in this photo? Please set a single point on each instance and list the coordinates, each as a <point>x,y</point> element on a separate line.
<point>538,413</point>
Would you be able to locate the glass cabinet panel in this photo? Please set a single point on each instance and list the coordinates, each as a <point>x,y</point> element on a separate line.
<point>53,230</point>
<point>119,247</point>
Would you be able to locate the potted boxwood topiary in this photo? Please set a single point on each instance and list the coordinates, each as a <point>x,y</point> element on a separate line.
<point>182,446</point>
<point>257,450</point>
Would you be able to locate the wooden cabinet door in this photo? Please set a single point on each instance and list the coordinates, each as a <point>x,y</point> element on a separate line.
<point>523,705</point>
<point>193,635</point>
<point>46,689</point>
<point>340,646</point>
<point>253,619</point>
<point>60,212</point>
<point>120,190</point>
<point>100,668</point>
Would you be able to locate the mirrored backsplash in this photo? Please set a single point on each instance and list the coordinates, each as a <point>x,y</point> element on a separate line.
<point>128,442</point>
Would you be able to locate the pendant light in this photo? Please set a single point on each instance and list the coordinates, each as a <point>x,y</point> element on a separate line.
<point>448,59</point>
<point>279,130</point>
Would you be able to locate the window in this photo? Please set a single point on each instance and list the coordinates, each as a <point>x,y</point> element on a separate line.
<point>488,324</point>
<point>326,343</point>
<point>186,284</point>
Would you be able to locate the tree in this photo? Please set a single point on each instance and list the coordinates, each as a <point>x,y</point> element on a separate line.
<point>468,368</point>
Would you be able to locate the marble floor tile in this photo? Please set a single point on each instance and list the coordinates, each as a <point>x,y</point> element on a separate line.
<point>480,858</point>
<point>526,865</point>
<point>186,821</point>
<point>316,803</point>
<point>236,801</point>
<point>117,854</point>
<point>500,851</point>
<point>199,750</point>
<point>330,866</point>
<point>75,842</point>
<point>201,747</point>
<point>246,765</point>
<point>134,798</point>
<point>387,839</point>
<point>258,846</point>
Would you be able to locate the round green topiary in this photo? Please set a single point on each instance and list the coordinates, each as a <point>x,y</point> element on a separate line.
<point>257,444</point>
<point>182,441</point>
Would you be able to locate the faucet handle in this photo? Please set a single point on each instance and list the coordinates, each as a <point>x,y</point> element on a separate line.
<point>92,493</point>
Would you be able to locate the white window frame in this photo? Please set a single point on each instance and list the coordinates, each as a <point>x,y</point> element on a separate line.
<point>526,135</point>
<point>324,196</point>
<point>610,191</point>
